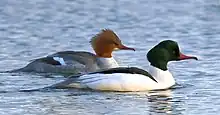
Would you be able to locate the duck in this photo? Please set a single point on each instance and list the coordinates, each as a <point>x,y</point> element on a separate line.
<point>75,62</point>
<point>126,79</point>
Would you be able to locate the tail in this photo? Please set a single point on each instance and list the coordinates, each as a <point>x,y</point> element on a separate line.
<point>13,71</point>
<point>45,89</point>
<point>62,85</point>
<point>68,83</point>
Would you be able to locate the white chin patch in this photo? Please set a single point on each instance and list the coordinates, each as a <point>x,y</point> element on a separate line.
<point>116,49</point>
<point>60,60</point>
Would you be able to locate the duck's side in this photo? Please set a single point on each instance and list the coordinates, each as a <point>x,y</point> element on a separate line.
<point>70,62</point>
<point>121,79</point>
<point>74,62</point>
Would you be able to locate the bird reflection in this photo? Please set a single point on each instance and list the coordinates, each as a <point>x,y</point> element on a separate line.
<point>163,102</point>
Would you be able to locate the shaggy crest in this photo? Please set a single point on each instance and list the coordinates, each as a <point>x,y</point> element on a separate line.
<point>105,33</point>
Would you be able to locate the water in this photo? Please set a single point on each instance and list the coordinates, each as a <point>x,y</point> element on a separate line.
<point>32,29</point>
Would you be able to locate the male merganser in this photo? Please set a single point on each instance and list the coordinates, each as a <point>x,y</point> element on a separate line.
<point>72,62</point>
<point>132,78</point>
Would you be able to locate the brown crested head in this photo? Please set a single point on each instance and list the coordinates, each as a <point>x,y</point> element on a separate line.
<point>105,42</point>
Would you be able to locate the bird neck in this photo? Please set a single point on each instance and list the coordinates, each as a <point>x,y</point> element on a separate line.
<point>105,63</point>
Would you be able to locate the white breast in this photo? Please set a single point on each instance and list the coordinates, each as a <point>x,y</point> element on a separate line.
<point>105,63</point>
<point>165,78</point>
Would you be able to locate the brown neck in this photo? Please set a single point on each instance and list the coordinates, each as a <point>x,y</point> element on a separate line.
<point>104,55</point>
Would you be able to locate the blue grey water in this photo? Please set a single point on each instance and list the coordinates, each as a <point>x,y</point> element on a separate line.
<point>31,29</point>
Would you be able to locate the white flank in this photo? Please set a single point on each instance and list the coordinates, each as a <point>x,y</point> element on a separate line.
<point>122,81</point>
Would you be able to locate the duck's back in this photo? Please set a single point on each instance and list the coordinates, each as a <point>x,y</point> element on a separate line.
<point>73,57</point>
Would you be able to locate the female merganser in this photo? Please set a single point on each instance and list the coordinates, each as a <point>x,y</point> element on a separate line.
<point>132,78</point>
<point>72,62</point>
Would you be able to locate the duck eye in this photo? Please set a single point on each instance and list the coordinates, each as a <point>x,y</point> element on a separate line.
<point>176,52</point>
<point>116,43</point>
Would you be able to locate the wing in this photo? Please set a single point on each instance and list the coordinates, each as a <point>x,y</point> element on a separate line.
<point>48,60</point>
<point>70,58</point>
<point>85,58</point>
<point>131,70</point>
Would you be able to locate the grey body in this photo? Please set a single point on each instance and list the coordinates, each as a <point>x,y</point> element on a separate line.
<point>76,62</point>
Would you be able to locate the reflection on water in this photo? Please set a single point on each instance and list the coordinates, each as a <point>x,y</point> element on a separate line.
<point>162,102</point>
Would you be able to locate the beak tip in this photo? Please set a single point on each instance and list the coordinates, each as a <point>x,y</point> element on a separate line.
<point>126,48</point>
<point>195,58</point>
<point>183,57</point>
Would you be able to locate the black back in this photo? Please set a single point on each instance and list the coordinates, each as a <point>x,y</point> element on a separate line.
<point>131,70</point>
